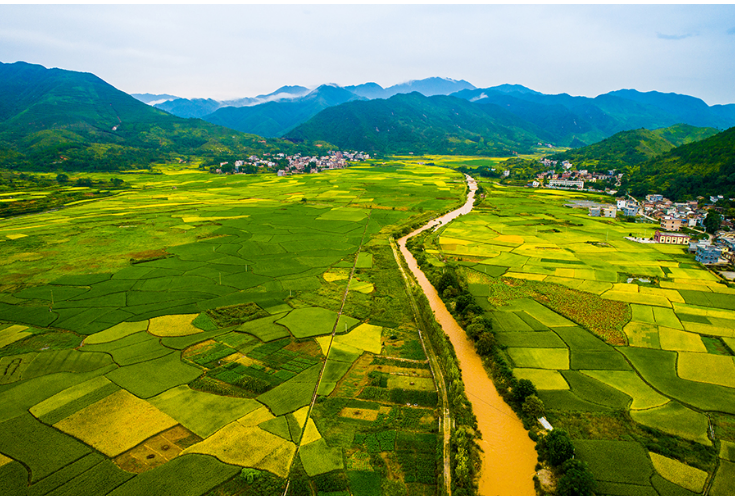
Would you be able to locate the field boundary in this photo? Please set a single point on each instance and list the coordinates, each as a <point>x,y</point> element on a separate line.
<point>329,348</point>
<point>435,367</point>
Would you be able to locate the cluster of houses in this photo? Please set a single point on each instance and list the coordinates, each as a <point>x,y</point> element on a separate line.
<point>570,178</point>
<point>672,215</point>
<point>296,163</point>
<point>719,251</point>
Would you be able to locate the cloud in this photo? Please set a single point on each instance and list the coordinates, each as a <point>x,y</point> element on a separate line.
<point>673,37</point>
<point>731,31</point>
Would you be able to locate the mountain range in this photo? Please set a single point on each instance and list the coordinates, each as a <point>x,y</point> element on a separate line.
<point>562,119</point>
<point>56,119</point>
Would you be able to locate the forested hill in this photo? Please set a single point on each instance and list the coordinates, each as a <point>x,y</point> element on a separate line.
<point>633,147</point>
<point>54,119</point>
<point>701,168</point>
<point>413,123</point>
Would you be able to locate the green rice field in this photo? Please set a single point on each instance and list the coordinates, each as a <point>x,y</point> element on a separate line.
<point>143,333</point>
<point>629,344</point>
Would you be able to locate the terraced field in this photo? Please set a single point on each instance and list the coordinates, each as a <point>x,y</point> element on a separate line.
<point>630,345</point>
<point>219,334</point>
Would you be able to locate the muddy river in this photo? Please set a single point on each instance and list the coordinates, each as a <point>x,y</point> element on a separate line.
<point>509,456</point>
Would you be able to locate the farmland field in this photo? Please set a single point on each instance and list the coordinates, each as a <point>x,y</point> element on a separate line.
<point>199,333</point>
<point>627,343</point>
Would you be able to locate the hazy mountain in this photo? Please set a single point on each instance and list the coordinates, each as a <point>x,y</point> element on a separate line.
<point>56,119</point>
<point>285,92</point>
<point>429,87</point>
<point>369,90</point>
<point>419,124</point>
<point>154,99</point>
<point>198,108</point>
<point>189,108</point>
<point>275,118</point>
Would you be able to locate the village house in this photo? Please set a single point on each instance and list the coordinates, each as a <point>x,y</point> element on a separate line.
<point>669,223</point>
<point>671,238</point>
<point>708,254</point>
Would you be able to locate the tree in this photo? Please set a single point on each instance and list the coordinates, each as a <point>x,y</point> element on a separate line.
<point>534,407</point>
<point>713,221</point>
<point>577,479</point>
<point>116,182</point>
<point>556,448</point>
<point>62,178</point>
<point>448,279</point>
<point>523,389</point>
<point>484,345</point>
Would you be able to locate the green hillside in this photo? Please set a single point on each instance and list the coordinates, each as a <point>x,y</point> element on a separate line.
<point>633,147</point>
<point>54,119</point>
<point>700,168</point>
<point>412,123</point>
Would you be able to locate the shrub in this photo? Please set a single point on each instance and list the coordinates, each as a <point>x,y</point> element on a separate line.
<point>534,407</point>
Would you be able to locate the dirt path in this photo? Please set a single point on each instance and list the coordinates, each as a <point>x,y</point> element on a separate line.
<point>331,341</point>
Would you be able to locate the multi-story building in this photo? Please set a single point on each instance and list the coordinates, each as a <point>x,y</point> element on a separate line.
<point>670,223</point>
<point>708,254</point>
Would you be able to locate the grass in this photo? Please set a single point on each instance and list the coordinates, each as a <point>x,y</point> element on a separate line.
<point>253,450</point>
<point>529,357</point>
<point>678,473</point>
<point>266,329</point>
<point>544,380</point>
<point>678,340</point>
<point>630,383</point>
<point>365,337</point>
<point>309,321</point>
<point>174,325</point>
<point>676,419</point>
<point>200,412</point>
<point>69,401</point>
<point>615,461</point>
<point>596,392</point>
<point>97,481</point>
<point>724,483</point>
<point>658,368</point>
<point>292,394</point>
<point>116,423</point>
<point>185,475</point>
<point>116,332</point>
<point>708,368</point>
<point>42,449</point>
<point>153,377</point>
<point>319,458</point>
<point>71,361</point>
<point>62,476</point>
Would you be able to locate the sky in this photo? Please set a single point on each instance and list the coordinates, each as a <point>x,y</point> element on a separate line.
<point>230,51</point>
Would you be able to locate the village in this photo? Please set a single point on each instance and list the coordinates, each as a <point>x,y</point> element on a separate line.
<point>681,223</point>
<point>294,164</point>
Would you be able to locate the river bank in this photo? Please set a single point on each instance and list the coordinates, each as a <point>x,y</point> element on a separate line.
<point>509,457</point>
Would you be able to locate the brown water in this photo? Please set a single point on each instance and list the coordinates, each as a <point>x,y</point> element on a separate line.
<point>509,459</point>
